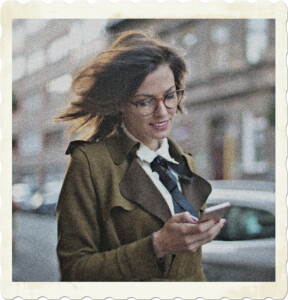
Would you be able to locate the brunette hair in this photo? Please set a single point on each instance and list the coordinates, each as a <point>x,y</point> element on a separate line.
<point>112,78</point>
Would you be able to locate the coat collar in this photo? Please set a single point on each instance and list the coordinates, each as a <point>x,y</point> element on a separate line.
<point>120,146</point>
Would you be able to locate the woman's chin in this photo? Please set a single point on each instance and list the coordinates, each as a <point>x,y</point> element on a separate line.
<point>161,135</point>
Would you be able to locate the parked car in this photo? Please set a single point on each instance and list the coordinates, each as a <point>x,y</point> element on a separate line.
<point>245,248</point>
<point>45,200</point>
<point>21,196</point>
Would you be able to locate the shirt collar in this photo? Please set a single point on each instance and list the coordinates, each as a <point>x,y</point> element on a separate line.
<point>145,153</point>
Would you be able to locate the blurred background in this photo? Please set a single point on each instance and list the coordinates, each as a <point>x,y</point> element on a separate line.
<point>229,127</point>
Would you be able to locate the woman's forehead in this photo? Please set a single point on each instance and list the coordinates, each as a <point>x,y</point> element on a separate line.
<point>160,80</point>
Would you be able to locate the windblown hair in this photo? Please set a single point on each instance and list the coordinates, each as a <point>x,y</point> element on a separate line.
<point>111,79</point>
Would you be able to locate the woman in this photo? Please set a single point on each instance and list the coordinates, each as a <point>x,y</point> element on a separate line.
<point>117,221</point>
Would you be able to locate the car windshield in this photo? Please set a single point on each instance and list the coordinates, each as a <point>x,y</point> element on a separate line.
<point>245,223</point>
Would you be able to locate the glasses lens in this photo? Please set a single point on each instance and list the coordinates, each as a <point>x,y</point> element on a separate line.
<point>147,106</point>
<point>172,99</point>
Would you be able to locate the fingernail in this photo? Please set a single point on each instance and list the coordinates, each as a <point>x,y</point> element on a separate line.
<point>223,221</point>
<point>194,219</point>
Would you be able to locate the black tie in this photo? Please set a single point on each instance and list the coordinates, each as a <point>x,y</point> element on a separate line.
<point>163,167</point>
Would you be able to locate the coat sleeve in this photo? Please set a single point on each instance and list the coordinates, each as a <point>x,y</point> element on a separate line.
<point>79,233</point>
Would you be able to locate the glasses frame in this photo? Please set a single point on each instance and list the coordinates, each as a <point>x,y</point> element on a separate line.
<point>161,99</point>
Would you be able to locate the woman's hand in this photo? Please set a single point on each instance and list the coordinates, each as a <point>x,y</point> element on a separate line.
<point>181,233</point>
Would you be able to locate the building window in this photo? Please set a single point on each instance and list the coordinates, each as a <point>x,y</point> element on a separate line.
<point>35,61</point>
<point>18,37</point>
<point>190,43</point>
<point>59,48</point>
<point>220,56</point>
<point>31,143</point>
<point>60,85</point>
<point>91,29</point>
<point>254,144</point>
<point>32,103</point>
<point>220,34</point>
<point>190,39</point>
<point>76,35</point>
<point>192,74</point>
<point>15,102</point>
<point>14,143</point>
<point>256,40</point>
<point>85,31</point>
<point>18,70</point>
<point>34,25</point>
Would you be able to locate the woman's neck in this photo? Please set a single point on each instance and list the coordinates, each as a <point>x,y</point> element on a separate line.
<point>154,145</point>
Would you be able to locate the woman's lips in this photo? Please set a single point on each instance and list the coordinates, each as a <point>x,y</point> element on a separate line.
<point>160,125</point>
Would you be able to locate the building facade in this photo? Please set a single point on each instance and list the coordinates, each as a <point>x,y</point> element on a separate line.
<point>229,95</point>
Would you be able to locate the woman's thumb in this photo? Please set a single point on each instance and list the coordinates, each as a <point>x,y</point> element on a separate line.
<point>185,217</point>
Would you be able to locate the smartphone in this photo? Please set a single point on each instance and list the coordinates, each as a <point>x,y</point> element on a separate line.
<point>216,212</point>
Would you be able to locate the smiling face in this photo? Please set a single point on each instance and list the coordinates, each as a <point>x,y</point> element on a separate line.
<point>151,129</point>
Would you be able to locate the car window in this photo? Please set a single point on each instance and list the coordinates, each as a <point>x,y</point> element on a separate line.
<point>244,223</point>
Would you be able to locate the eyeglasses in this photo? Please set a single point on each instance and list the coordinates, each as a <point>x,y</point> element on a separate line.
<point>149,105</point>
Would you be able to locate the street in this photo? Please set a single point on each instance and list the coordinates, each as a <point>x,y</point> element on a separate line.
<point>34,257</point>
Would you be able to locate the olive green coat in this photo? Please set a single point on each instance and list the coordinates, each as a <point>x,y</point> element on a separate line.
<point>107,210</point>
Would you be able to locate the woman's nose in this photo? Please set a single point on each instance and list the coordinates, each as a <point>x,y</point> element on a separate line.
<point>161,109</point>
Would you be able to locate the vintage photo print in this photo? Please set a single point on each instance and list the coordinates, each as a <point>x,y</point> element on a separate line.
<point>76,225</point>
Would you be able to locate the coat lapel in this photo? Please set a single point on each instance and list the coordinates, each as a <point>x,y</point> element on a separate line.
<point>197,192</point>
<point>137,187</point>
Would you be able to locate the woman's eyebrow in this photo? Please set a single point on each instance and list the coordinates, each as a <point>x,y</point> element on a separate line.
<point>149,95</point>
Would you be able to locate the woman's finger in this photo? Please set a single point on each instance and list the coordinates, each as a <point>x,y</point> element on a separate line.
<point>205,226</point>
<point>184,217</point>
<point>203,232</point>
<point>207,236</point>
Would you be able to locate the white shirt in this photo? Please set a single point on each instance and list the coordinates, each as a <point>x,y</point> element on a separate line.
<point>146,156</point>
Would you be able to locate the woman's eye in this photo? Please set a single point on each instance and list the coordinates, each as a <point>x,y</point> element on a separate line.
<point>170,96</point>
<point>145,103</point>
